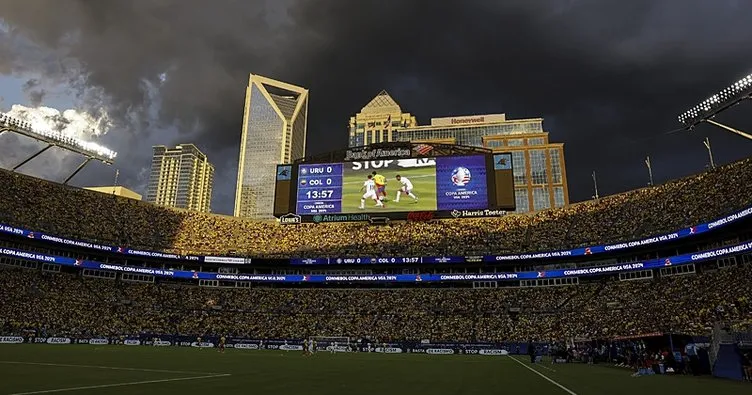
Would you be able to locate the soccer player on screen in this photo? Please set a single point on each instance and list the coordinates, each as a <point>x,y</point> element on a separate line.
<point>369,186</point>
<point>406,188</point>
<point>380,182</point>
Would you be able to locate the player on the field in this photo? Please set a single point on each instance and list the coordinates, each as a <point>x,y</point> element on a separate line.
<point>333,347</point>
<point>311,347</point>
<point>369,186</point>
<point>406,188</point>
<point>380,182</point>
<point>222,344</point>
<point>305,346</point>
<point>198,342</point>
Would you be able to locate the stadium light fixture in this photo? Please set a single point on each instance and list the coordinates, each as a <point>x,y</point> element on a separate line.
<point>650,170</point>
<point>56,138</point>
<point>706,142</point>
<point>595,187</point>
<point>719,102</point>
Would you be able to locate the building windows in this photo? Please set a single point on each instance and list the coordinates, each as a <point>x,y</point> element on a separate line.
<point>538,166</point>
<point>559,197</point>
<point>555,166</point>
<point>515,142</point>
<point>536,141</point>
<point>494,143</point>
<point>541,199</point>
<point>518,164</point>
<point>522,200</point>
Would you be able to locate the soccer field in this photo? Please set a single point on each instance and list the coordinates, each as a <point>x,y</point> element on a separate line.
<point>424,184</point>
<point>84,369</point>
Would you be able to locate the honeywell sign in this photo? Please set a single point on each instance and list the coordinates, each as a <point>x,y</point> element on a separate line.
<point>468,120</point>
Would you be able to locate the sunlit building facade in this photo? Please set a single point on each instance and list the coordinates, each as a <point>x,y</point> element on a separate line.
<point>116,191</point>
<point>274,132</point>
<point>180,177</point>
<point>378,121</point>
<point>540,175</point>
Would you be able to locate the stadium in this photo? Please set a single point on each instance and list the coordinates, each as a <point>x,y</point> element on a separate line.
<point>108,271</point>
<point>398,265</point>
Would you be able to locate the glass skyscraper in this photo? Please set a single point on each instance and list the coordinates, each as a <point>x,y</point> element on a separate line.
<point>274,132</point>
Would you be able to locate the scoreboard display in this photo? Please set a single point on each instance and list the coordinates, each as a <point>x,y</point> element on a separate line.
<point>444,186</point>
<point>320,189</point>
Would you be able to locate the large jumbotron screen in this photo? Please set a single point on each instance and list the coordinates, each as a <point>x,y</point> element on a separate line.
<point>400,185</point>
<point>453,186</point>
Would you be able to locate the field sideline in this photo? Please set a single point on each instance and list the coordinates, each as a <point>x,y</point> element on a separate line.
<point>37,369</point>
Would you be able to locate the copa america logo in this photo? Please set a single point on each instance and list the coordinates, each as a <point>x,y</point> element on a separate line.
<point>460,176</point>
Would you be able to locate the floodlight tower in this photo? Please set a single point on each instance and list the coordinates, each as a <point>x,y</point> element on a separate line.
<point>92,151</point>
<point>707,110</point>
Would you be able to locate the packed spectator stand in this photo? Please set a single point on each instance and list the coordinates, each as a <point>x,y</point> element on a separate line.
<point>63,304</point>
<point>67,304</point>
<point>48,207</point>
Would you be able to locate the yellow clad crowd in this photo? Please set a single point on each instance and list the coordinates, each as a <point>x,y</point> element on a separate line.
<point>65,211</point>
<point>69,305</point>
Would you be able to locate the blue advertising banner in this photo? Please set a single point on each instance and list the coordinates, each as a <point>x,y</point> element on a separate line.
<point>461,183</point>
<point>583,251</point>
<point>414,278</point>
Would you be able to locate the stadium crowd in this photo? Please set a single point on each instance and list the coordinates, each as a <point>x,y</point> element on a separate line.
<point>48,207</point>
<point>64,304</point>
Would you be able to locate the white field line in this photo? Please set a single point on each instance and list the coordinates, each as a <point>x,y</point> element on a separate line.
<point>540,365</point>
<point>64,365</point>
<point>567,390</point>
<point>89,387</point>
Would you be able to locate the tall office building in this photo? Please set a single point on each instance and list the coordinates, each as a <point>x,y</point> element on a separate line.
<point>274,132</point>
<point>180,177</point>
<point>378,121</point>
<point>540,175</point>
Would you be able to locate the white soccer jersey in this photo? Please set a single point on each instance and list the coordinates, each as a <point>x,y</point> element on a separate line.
<point>370,186</point>
<point>406,184</point>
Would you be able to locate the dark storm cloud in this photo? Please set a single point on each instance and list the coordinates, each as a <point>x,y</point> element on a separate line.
<point>609,77</point>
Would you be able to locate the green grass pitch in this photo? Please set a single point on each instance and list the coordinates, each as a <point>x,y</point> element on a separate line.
<point>424,187</point>
<point>85,369</point>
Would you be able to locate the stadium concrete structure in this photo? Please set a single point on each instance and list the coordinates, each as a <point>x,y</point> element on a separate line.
<point>540,175</point>
<point>274,132</point>
<point>117,191</point>
<point>378,121</point>
<point>181,177</point>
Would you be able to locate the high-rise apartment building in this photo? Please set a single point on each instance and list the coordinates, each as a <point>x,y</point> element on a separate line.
<point>539,170</point>
<point>378,121</point>
<point>274,132</point>
<point>180,177</point>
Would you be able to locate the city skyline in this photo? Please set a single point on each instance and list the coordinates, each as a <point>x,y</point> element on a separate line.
<point>609,78</point>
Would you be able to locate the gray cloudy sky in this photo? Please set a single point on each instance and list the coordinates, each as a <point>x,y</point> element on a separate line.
<point>608,76</point>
